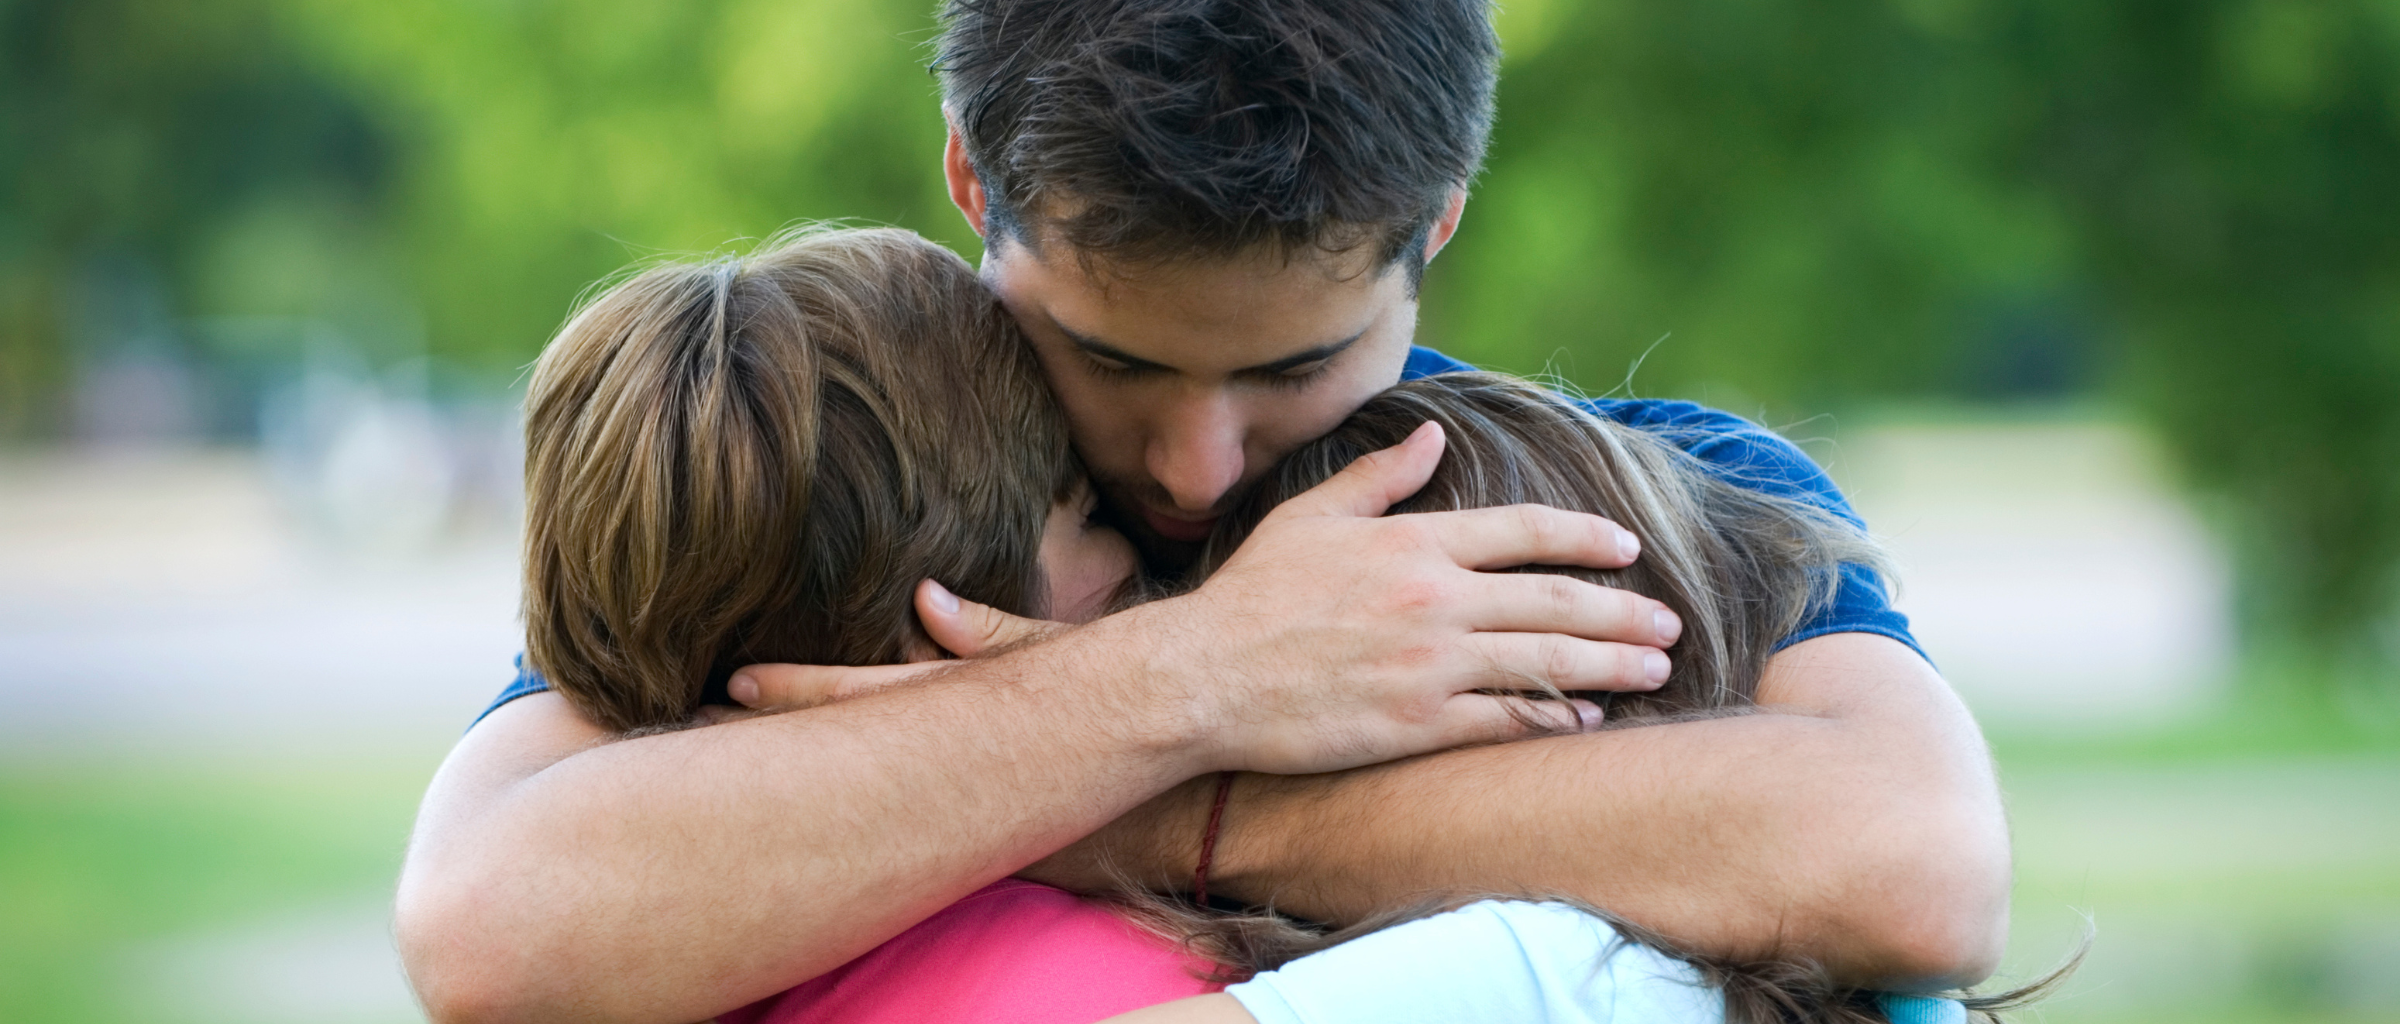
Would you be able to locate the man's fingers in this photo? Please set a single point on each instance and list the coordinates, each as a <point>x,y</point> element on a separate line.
<point>961,627</point>
<point>1513,535</point>
<point>1541,602</point>
<point>967,629</point>
<point>1375,480</point>
<point>1524,661</point>
<point>788,687</point>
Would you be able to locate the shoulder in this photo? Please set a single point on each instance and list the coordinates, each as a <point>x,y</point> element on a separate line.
<point>1753,456</point>
<point>1743,451</point>
<point>528,681</point>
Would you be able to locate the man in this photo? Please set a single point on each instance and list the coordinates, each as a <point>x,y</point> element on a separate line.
<point>1210,217</point>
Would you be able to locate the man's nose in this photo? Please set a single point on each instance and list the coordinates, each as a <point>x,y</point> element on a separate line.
<point>1196,453</point>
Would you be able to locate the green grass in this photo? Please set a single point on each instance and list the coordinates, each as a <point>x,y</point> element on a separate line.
<point>2236,869</point>
<point>2237,873</point>
<point>2267,722</point>
<point>102,857</point>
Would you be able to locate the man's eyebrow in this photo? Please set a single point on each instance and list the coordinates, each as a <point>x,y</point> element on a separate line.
<point>1104,350</point>
<point>1298,359</point>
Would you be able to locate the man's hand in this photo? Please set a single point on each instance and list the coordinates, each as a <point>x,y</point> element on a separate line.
<point>1336,637</point>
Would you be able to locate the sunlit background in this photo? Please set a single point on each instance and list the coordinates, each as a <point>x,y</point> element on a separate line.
<point>2094,307</point>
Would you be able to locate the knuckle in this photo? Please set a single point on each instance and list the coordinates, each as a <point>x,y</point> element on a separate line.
<point>1421,594</point>
<point>1631,665</point>
<point>1560,660</point>
<point>1415,657</point>
<point>1621,610</point>
<point>1539,528</point>
<point>1408,533</point>
<point>1564,592</point>
<point>1421,711</point>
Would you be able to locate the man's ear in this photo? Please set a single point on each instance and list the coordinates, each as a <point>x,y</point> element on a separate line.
<point>1436,237</point>
<point>966,189</point>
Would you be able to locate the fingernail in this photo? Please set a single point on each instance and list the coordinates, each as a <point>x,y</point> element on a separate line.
<point>1656,666</point>
<point>940,596</point>
<point>1629,547</point>
<point>1670,628</point>
<point>1587,715</point>
<point>743,689</point>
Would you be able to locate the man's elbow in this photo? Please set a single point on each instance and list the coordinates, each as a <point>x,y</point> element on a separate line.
<point>1933,939</point>
<point>1930,914</point>
<point>457,961</point>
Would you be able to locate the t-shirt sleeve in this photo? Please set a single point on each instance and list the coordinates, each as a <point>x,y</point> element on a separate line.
<point>527,683</point>
<point>1900,1009</point>
<point>1495,961</point>
<point>1756,457</point>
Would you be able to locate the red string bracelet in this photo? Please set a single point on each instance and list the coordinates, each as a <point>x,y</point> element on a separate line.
<point>1208,840</point>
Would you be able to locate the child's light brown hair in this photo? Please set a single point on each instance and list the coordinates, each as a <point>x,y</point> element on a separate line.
<point>755,458</point>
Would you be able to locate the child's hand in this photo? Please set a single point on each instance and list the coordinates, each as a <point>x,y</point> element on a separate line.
<point>963,628</point>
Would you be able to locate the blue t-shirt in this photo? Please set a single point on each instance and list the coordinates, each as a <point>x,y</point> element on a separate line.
<point>1744,451</point>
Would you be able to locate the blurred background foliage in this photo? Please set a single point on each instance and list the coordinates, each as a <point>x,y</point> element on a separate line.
<point>2184,206</point>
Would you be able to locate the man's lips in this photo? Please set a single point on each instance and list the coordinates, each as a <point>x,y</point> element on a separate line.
<point>1186,531</point>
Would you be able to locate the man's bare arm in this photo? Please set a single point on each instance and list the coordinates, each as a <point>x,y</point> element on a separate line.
<point>1855,821</point>
<point>672,877</point>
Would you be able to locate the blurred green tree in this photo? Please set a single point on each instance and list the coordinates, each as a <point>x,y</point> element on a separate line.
<point>443,176</point>
<point>2234,168</point>
<point>2188,203</point>
<point>548,143</point>
<point>137,140</point>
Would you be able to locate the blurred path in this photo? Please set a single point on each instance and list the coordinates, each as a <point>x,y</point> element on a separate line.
<point>172,599</point>
<point>178,598</point>
<point>2047,566</point>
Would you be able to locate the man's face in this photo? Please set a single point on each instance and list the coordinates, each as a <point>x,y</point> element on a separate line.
<point>1184,384</point>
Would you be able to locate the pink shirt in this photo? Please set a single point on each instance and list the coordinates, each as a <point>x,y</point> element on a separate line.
<point>1010,953</point>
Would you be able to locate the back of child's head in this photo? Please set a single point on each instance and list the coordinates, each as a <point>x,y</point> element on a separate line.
<point>755,459</point>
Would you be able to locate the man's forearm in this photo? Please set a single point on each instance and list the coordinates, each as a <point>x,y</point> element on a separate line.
<point>670,877</point>
<point>1860,828</point>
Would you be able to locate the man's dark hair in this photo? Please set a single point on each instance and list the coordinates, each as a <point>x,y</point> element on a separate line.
<point>1162,130</point>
